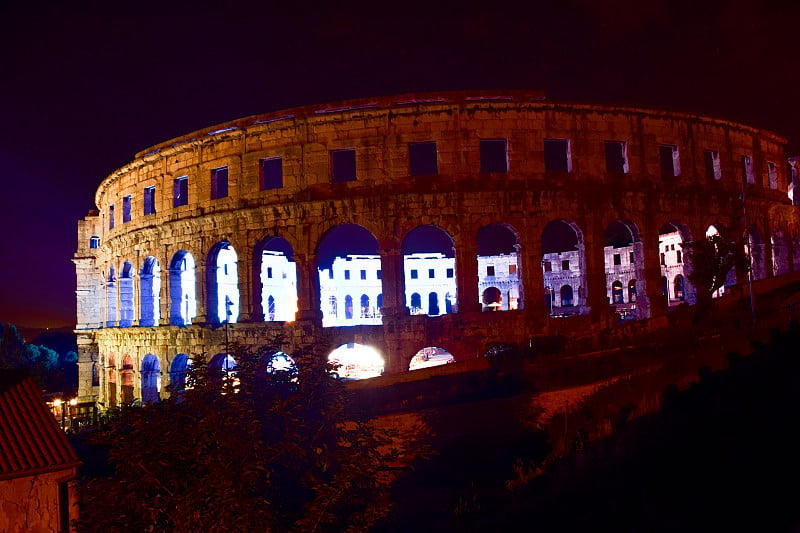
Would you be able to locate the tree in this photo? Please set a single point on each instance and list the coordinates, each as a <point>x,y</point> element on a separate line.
<point>252,449</point>
<point>711,260</point>
<point>42,362</point>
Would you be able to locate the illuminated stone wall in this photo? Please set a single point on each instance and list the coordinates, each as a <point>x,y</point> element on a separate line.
<point>389,202</point>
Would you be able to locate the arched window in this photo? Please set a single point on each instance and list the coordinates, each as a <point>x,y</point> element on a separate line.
<point>356,361</point>
<point>95,376</point>
<point>499,265</point>
<point>270,308</point>
<point>566,296</point>
<point>632,291</point>
<point>433,304</point>
<point>275,279</point>
<point>617,296</point>
<point>492,299</point>
<point>111,298</point>
<point>126,374</point>
<point>94,241</point>
<point>112,382</point>
<point>126,296</point>
<point>679,284</point>
<point>151,379</point>
<point>183,306</point>
<point>365,306</point>
<point>549,296</point>
<point>664,286</point>
<point>222,369</point>
<point>416,303</point>
<point>223,284</point>
<point>380,302</point>
<point>348,307</point>
<point>150,300</point>
<point>177,372</point>
<point>429,265</point>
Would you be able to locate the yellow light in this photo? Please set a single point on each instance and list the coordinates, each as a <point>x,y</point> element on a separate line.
<point>73,401</point>
<point>56,403</point>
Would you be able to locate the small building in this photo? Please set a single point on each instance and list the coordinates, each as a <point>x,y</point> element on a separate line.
<point>37,464</point>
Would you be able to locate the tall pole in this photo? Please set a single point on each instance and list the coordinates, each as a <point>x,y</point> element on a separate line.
<point>749,257</point>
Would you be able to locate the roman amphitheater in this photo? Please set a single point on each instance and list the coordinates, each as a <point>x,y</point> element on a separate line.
<point>412,230</point>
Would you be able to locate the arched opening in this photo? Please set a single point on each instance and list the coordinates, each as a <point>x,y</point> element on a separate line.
<point>365,309</point>
<point>673,239</point>
<point>126,295</point>
<point>492,299</point>
<point>275,280</point>
<point>348,263</point>
<point>222,370</point>
<point>150,300</point>
<point>499,266</point>
<point>356,361</point>
<point>632,291</point>
<point>430,356</point>
<point>429,267</point>
<point>126,375</point>
<point>416,304</point>
<point>624,262</point>
<point>111,298</point>
<point>183,306</point>
<point>95,376</point>
<point>566,296</point>
<point>111,397</point>
<point>755,249</point>
<point>563,263</point>
<point>279,362</point>
<point>679,288</point>
<point>222,278</point>
<point>151,379</point>
<point>719,231</point>
<point>664,286</point>
<point>780,254</point>
<point>616,293</point>
<point>177,372</point>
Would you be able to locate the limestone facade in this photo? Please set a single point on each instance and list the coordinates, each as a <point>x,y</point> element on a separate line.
<point>297,174</point>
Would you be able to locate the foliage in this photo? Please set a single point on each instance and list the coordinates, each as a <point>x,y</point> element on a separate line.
<point>252,450</point>
<point>711,260</point>
<point>43,363</point>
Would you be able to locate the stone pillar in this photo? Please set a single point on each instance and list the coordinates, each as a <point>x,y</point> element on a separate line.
<point>245,268</point>
<point>392,282</point>
<point>307,289</point>
<point>88,354</point>
<point>596,295</point>
<point>652,296</point>
<point>467,276</point>
<point>532,279</point>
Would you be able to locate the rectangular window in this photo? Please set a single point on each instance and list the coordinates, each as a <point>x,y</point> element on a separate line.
<point>363,274</point>
<point>494,155</point>
<point>670,160</point>
<point>180,191</point>
<point>431,273</point>
<point>617,157</point>
<point>271,170</point>
<point>512,269</point>
<point>269,272</point>
<point>490,270</point>
<point>111,217</point>
<point>747,169</point>
<point>679,256</point>
<point>379,274</point>
<point>557,156</point>
<point>126,208</point>
<point>219,183</point>
<point>449,272</point>
<point>150,200</point>
<point>413,274</point>
<point>772,173</point>
<point>617,259</point>
<point>423,159</point>
<point>346,274</point>
<point>631,259</point>
<point>548,266</point>
<point>565,265</point>
<point>713,168</point>
<point>343,165</point>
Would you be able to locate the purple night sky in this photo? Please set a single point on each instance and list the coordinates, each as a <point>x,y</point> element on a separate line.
<point>84,85</point>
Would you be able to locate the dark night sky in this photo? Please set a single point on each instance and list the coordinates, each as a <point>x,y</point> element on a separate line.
<point>84,85</point>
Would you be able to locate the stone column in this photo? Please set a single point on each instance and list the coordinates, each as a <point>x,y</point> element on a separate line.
<point>392,282</point>
<point>467,276</point>
<point>596,293</point>
<point>651,302</point>
<point>307,289</point>
<point>245,268</point>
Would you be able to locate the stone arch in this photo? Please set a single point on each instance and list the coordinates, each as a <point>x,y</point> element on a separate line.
<point>182,287</point>
<point>430,356</point>
<point>566,295</point>
<point>632,291</point>
<point>624,261</point>
<point>126,307</point>
<point>348,263</point>
<point>563,262</point>
<point>151,379</point>
<point>177,372</point>
<point>357,361</point>
<point>274,276</point>
<point>112,381</point>
<point>429,267</point>
<point>416,303</point>
<point>500,266</point>
<point>780,253</point>
<point>222,280</point>
<point>111,298</point>
<point>492,299</point>
<point>364,307</point>
<point>617,296</point>
<point>673,242</point>
<point>150,298</point>
<point>679,288</point>
<point>222,369</point>
<point>722,231</point>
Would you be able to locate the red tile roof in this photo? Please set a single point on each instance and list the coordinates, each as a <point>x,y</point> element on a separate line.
<point>30,440</point>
